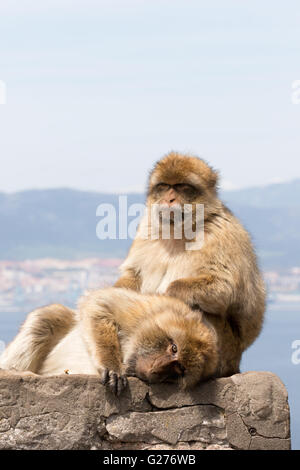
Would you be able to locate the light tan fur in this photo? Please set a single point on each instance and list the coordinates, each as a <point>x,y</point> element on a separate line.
<point>41,332</point>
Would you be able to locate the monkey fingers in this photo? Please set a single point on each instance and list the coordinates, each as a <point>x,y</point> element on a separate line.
<point>103,375</point>
<point>116,382</point>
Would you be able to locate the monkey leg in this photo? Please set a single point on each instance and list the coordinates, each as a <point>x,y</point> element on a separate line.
<point>41,331</point>
<point>229,345</point>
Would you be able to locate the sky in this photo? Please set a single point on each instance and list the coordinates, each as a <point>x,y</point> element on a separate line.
<point>97,91</point>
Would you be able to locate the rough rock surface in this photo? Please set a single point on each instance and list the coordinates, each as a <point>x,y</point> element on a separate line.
<point>245,411</point>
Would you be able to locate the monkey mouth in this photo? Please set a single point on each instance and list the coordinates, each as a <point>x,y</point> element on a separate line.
<point>155,379</point>
<point>172,218</point>
<point>172,378</point>
<point>169,375</point>
<point>166,373</point>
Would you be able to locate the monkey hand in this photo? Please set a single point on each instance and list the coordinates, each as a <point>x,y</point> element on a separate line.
<point>116,380</point>
<point>205,292</point>
<point>182,289</point>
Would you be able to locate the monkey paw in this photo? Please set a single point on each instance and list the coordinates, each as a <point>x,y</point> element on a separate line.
<point>184,290</point>
<point>116,382</point>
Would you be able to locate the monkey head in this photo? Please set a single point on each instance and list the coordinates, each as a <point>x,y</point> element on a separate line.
<point>179,180</point>
<point>173,347</point>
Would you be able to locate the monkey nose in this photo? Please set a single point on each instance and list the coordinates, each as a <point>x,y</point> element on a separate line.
<point>169,202</point>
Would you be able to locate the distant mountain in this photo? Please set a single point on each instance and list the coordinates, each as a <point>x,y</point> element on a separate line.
<point>62,223</point>
<point>271,196</point>
<point>56,222</point>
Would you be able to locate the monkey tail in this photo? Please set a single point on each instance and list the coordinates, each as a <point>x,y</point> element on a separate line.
<point>41,331</point>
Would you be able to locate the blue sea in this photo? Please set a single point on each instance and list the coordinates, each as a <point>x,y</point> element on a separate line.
<point>272,351</point>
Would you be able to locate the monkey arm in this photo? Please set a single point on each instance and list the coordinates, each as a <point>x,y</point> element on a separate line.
<point>100,333</point>
<point>104,314</point>
<point>130,279</point>
<point>213,294</point>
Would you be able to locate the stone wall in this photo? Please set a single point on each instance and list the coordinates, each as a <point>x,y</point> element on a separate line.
<point>245,411</point>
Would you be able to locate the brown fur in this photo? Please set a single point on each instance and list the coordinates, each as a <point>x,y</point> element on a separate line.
<point>221,279</point>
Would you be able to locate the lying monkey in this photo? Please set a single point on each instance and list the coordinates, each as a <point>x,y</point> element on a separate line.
<point>118,332</point>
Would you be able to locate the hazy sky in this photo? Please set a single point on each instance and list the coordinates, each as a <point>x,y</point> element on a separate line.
<point>97,91</point>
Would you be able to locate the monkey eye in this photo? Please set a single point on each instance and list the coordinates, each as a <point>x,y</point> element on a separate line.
<point>185,188</point>
<point>174,348</point>
<point>162,186</point>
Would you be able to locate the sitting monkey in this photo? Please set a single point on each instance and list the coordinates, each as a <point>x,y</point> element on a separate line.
<point>115,333</point>
<point>221,278</point>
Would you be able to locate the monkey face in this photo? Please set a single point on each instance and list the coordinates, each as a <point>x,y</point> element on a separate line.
<point>173,347</point>
<point>162,365</point>
<point>177,184</point>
